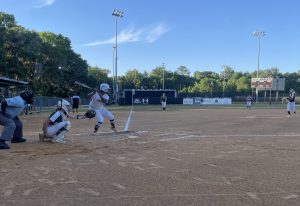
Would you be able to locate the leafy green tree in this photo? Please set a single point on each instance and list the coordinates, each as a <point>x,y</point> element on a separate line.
<point>183,71</point>
<point>133,79</point>
<point>156,76</point>
<point>197,76</point>
<point>181,77</point>
<point>96,76</point>
<point>146,80</point>
<point>243,84</point>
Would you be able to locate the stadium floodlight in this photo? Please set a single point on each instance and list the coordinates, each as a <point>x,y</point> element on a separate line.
<point>117,14</point>
<point>258,34</point>
<point>113,70</point>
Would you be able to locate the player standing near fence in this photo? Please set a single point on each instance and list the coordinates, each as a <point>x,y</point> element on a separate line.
<point>13,127</point>
<point>291,104</point>
<point>163,100</point>
<point>76,102</point>
<point>98,98</point>
<point>249,102</point>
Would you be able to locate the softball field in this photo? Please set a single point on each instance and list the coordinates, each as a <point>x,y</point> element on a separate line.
<point>182,157</point>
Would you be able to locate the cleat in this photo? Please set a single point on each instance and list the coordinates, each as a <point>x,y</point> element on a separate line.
<point>60,138</point>
<point>96,129</point>
<point>60,141</point>
<point>3,145</point>
<point>114,129</point>
<point>18,140</point>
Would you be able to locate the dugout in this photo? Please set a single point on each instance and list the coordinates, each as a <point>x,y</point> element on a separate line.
<point>7,86</point>
<point>148,96</point>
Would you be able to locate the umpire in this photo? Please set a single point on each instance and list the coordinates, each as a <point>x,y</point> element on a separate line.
<point>13,127</point>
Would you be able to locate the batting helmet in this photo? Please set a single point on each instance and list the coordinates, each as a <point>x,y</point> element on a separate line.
<point>104,87</point>
<point>27,96</point>
<point>63,104</point>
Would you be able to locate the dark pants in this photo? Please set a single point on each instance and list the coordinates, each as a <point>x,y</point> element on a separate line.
<point>13,128</point>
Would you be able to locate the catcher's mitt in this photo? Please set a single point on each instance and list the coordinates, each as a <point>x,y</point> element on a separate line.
<point>90,114</point>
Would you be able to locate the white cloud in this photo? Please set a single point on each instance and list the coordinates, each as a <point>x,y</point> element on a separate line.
<point>148,35</point>
<point>155,33</point>
<point>43,3</point>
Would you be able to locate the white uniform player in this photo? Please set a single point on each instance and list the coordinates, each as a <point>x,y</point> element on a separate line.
<point>163,100</point>
<point>249,102</point>
<point>98,98</point>
<point>291,105</point>
<point>57,125</point>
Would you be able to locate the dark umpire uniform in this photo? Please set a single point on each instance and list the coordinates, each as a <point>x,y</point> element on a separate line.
<point>75,102</point>
<point>13,127</point>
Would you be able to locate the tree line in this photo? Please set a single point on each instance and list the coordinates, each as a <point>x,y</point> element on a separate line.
<point>47,61</point>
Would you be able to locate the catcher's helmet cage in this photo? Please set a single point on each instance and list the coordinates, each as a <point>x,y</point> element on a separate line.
<point>27,96</point>
<point>63,104</point>
<point>104,87</point>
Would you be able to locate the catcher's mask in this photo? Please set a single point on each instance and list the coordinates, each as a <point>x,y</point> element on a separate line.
<point>104,87</point>
<point>63,104</point>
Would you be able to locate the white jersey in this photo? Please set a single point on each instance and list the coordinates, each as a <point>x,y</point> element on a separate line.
<point>96,102</point>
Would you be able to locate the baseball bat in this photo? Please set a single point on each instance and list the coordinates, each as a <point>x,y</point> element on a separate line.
<point>82,85</point>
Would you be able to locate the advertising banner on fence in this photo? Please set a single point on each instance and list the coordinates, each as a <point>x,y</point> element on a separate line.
<point>188,101</point>
<point>216,101</point>
<point>206,101</point>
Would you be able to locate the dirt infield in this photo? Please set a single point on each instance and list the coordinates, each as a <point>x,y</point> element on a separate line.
<point>179,157</point>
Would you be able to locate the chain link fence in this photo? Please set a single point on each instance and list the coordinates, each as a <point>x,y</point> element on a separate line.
<point>46,104</point>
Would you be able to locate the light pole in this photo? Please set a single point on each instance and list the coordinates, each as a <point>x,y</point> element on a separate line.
<point>224,87</point>
<point>223,83</point>
<point>117,14</point>
<point>276,89</point>
<point>211,90</point>
<point>113,71</point>
<point>163,67</point>
<point>258,34</point>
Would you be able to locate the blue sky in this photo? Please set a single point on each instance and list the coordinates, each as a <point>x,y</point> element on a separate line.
<point>199,34</point>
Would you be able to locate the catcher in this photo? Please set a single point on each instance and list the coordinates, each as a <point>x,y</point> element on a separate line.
<point>98,98</point>
<point>56,126</point>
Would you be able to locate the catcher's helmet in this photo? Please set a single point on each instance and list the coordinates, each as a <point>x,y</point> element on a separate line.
<point>104,87</point>
<point>63,104</point>
<point>27,96</point>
